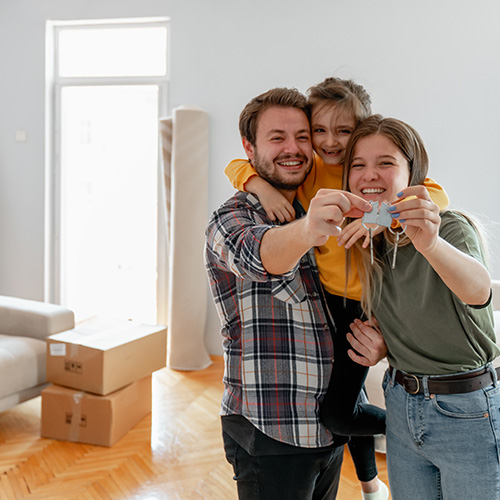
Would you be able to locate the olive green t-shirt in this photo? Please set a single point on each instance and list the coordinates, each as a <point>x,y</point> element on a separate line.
<point>427,328</point>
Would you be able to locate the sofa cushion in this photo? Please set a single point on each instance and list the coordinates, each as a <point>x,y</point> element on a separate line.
<point>30,318</point>
<point>22,363</point>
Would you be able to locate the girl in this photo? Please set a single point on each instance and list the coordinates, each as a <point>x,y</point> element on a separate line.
<point>337,106</point>
<point>433,308</point>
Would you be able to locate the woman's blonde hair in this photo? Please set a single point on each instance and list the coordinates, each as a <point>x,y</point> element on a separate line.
<point>412,147</point>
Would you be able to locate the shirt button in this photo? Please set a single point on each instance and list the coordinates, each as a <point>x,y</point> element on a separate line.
<point>314,295</point>
<point>325,327</point>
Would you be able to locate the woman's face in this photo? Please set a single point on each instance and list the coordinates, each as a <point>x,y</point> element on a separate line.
<point>378,170</point>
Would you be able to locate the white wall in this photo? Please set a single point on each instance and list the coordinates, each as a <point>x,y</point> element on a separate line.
<point>433,64</point>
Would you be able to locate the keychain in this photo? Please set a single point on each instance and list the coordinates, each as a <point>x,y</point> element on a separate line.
<point>380,216</point>
<point>369,222</point>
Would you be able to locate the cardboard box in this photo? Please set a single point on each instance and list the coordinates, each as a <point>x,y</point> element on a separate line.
<point>101,356</point>
<point>77,416</point>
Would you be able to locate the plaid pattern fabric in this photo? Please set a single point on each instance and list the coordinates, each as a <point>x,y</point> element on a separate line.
<point>277,345</point>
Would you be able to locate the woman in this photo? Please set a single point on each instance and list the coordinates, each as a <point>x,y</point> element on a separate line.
<point>433,309</point>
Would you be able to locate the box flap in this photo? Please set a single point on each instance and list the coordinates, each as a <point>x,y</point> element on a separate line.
<point>106,334</point>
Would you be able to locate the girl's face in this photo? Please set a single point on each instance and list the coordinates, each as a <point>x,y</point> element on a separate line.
<point>378,170</point>
<point>331,130</point>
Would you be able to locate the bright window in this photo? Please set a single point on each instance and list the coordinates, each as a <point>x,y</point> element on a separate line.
<point>110,87</point>
<point>124,51</point>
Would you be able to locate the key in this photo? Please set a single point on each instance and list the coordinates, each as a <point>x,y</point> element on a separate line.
<point>371,245</point>
<point>369,222</point>
<point>396,241</point>
<point>395,251</point>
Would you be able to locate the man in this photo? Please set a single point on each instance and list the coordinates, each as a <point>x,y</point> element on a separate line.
<point>277,341</point>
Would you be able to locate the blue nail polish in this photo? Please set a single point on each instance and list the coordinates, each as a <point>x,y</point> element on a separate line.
<point>395,215</point>
<point>402,220</point>
<point>400,194</point>
<point>391,209</point>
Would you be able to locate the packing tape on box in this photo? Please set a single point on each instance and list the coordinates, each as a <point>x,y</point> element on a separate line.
<point>75,417</point>
<point>73,350</point>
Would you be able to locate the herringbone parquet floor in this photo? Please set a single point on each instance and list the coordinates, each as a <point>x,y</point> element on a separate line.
<point>175,453</point>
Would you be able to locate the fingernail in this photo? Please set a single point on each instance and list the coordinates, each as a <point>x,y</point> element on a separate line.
<point>395,215</point>
<point>391,209</point>
<point>400,194</point>
<point>402,220</point>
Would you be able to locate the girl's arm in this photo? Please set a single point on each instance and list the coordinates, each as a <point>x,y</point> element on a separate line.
<point>239,172</point>
<point>243,177</point>
<point>437,194</point>
<point>465,276</point>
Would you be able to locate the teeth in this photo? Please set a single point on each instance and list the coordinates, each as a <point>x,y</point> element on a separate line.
<point>373,191</point>
<point>289,163</point>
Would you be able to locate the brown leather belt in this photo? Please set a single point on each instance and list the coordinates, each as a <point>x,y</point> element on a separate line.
<point>456,384</point>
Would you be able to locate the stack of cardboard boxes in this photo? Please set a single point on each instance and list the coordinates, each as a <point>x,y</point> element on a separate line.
<point>101,380</point>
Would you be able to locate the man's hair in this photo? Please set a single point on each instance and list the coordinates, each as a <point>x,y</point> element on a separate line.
<point>282,97</point>
<point>344,95</point>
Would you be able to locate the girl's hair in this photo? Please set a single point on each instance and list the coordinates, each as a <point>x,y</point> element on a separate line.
<point>405,137</point>
<point>345,95</point>
<point>412,147</point>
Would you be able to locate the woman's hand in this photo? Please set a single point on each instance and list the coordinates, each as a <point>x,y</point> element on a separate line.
<point>420,215</point>
<point>465,276</point>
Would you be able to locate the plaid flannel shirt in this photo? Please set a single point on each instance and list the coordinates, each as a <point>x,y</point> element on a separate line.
<point>277,344</point>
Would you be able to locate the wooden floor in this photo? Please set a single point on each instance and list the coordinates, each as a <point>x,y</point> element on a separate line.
<point>173,453</point>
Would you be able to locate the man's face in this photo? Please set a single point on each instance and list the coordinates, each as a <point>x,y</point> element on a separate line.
<point>282,154</point>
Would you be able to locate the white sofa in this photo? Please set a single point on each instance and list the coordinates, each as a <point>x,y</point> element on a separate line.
<point>24,326</point>
<point>373,382</point>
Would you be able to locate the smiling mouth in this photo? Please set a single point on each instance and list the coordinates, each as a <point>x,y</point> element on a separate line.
<point>332,153</point>
<point>367,191</point>
<point>291,164</point>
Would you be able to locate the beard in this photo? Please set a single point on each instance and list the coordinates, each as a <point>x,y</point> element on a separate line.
<point>280,180</point>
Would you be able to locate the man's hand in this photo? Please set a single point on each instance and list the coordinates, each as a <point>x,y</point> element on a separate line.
<point>282,247</point>
<point>327,212</point>
<point>368,343</point>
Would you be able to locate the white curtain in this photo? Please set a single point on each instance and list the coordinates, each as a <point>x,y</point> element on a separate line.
<point>184,179</point>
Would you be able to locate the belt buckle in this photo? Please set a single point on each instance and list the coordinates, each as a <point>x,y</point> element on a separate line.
<point>416,380</point>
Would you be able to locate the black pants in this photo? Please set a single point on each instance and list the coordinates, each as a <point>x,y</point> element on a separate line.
<point>297,476</point>
<point>342,411</point>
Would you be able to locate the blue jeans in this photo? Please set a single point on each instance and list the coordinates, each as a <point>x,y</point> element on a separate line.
<point>443,447</point>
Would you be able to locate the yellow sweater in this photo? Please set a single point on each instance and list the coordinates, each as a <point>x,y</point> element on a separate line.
<point>329,257</point>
